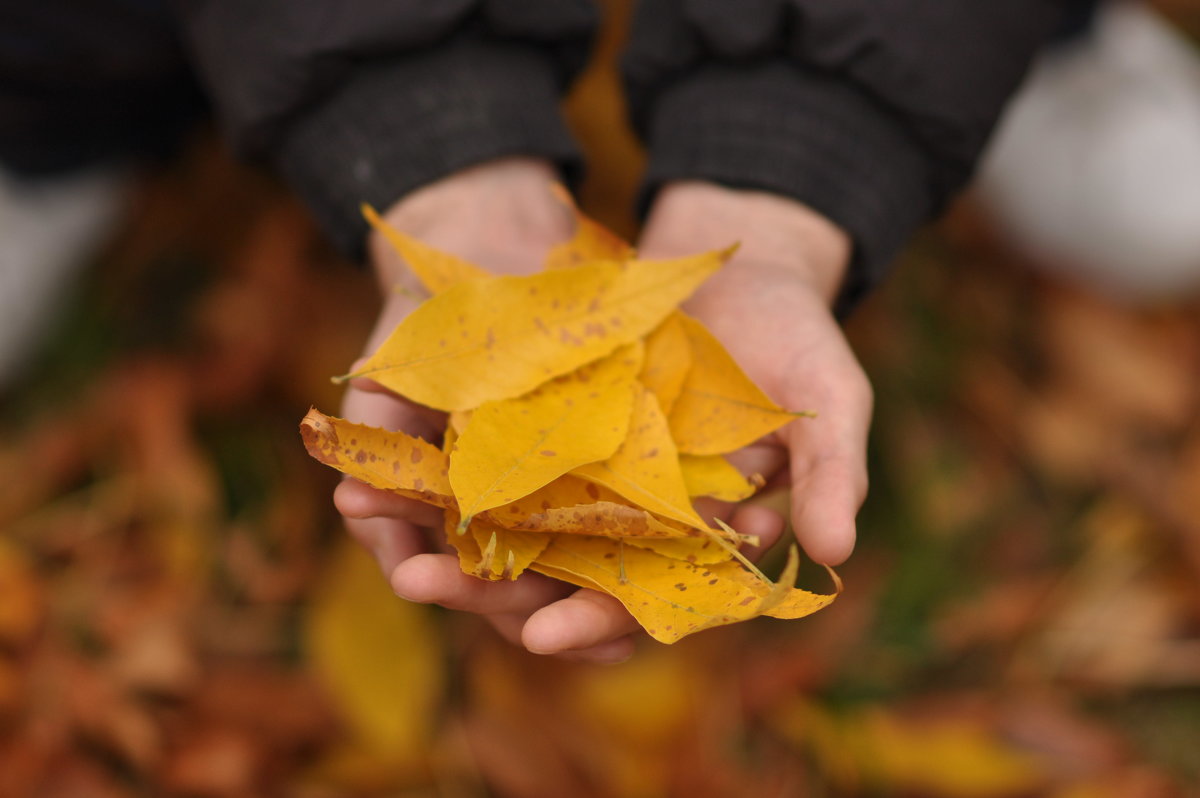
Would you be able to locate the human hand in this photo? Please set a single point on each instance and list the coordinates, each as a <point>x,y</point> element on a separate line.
<point>502,216</point>
<point>770,306</point>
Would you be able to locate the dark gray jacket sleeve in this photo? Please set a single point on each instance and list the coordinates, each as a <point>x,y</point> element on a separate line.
<point>365,101</point>
<point>872,112</point>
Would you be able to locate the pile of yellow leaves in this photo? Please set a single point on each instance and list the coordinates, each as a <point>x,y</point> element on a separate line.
<point>585,413</point>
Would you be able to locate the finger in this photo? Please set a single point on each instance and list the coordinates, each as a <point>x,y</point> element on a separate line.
<point>611,653</point>
<point>391,412</point>
<point>829,475</point>
<point>427,415</point>
<point>760,522</point>
<point>354,499</point>
<point>438,579</point>
<point>392,541</point>
<point>583,620</point>
<point>824,506</point>
<point>765,458</point>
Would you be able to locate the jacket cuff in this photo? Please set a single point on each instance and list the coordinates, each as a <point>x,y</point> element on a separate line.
<point>780,128</point>
<point>404,122</point>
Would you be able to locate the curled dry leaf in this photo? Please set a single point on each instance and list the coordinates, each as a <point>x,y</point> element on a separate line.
<point>383,459</point>
<point>586,411</point>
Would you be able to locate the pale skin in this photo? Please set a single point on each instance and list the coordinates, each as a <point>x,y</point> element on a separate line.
<point>769,306</point>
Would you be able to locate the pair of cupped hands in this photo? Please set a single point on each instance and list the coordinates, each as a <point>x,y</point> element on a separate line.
<point>770,306</point>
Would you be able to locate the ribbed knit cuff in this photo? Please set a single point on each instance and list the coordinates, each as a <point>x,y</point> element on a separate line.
<point>402,123</point>
<point>776,127</point>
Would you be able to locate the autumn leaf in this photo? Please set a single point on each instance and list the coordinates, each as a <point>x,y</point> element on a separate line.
<point>500,337</point>
<point>515,446</point>
<point>608,519</point>
<point>492,552</point>
<point>701,550</point>
<point>470,555</point>
<point>670,598</point>
<point>713,476</point>
<point>383,459</point>
<point>645,470</point>
<point>573,505</point>
<point>437,270</point>
<point>719,409</point>
<point>378,656</point>
<point>592,241</point>
<point>668,360</point>
<point>566,491</point>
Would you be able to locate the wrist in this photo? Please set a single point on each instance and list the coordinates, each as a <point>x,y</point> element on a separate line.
<point>775,232</point>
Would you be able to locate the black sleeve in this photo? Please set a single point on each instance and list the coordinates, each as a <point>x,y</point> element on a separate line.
<point>873,112</point>
<point>365,101</point>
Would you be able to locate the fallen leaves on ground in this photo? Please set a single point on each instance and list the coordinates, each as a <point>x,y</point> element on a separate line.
<point>586,372</point>
<point>167,548</point>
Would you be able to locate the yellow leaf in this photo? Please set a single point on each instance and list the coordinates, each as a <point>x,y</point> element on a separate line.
<point>608,519</point>
<point>697,550</point>
<point>512,447</point>
<point>566,491</point>
<point>956,758</point>
<point>457,420</point>
<point>645,470</point>
<point>795,603</point>
<point>378,656</point>
<point>436,270</point>
<point>388,460</point>
<point>669,598</point>
<point>668,360</point>
<point>592,240</point>
<point>491,552</point>
<point>574,505</point>
<point>712,475</point>
<point>501,337</point>
<point>719,409</point>
<point>502,553</point>
<point>469,553</point>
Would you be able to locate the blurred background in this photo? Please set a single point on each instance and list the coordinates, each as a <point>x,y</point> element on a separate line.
<point>181,615</point>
